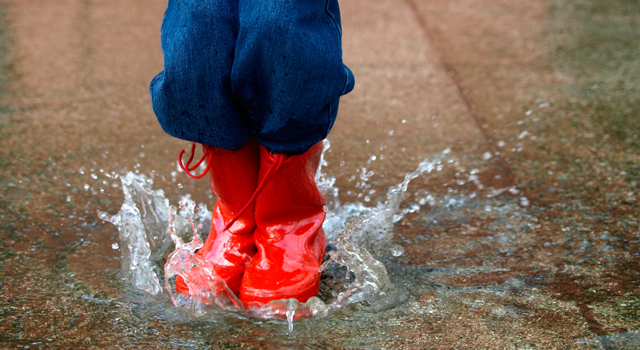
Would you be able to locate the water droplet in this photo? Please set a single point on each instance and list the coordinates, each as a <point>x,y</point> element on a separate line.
<point>86,187</point>
<point>372,158</point>
<point>529,112</point>
<point>68,198</point>
<point>487,155</point>
<point>404,121</point>
<point>291,311</point>
<point>397,250</point>
<point>115,246</point>
<point>180,185</point>
<point>501,143</point>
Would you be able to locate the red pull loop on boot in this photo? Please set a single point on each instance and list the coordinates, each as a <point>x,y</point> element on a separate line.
<point>188,168</point>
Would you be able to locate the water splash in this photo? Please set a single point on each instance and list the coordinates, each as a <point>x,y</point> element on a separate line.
<point>375,232</point>
<point>361,236</point>
<point>207,288</point>
<point>142,224</point>
<point>371,278</point>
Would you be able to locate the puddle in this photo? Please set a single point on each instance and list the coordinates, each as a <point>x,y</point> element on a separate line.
<point>357,236</point>
<point>376,271</point>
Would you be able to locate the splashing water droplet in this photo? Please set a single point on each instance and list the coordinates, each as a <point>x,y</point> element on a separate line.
<point>397,250</point>
<point>143,215</point>
<point>291,311</point>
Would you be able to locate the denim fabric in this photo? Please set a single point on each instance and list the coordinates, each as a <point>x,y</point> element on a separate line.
<point>234,69</point>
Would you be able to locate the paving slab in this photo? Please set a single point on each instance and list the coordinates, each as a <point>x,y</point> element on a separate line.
<point>495,257</point>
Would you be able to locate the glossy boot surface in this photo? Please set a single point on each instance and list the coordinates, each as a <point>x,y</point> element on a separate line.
<point>233,177</point>
<point>289,236</point>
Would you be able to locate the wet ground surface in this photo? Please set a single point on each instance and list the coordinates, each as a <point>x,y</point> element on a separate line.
<point>526,238</point>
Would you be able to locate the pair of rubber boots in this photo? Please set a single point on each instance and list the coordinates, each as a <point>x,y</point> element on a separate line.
<point>274,249</point>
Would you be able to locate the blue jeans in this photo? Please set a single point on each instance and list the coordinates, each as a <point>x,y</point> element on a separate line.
<point>235,69</point>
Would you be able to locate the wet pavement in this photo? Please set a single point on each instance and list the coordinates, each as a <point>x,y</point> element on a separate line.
<point>526,237</point>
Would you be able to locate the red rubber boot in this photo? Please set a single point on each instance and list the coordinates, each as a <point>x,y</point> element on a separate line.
<point>288,235</point>
<point>233,176</point>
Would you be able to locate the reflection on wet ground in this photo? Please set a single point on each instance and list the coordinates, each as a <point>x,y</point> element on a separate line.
<point>526,237</point>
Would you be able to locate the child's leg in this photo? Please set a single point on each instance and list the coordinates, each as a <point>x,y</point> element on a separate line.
<point>192,100</point>
<point>287,72</point>
<point>288,75</point>
<point>192,96</point>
